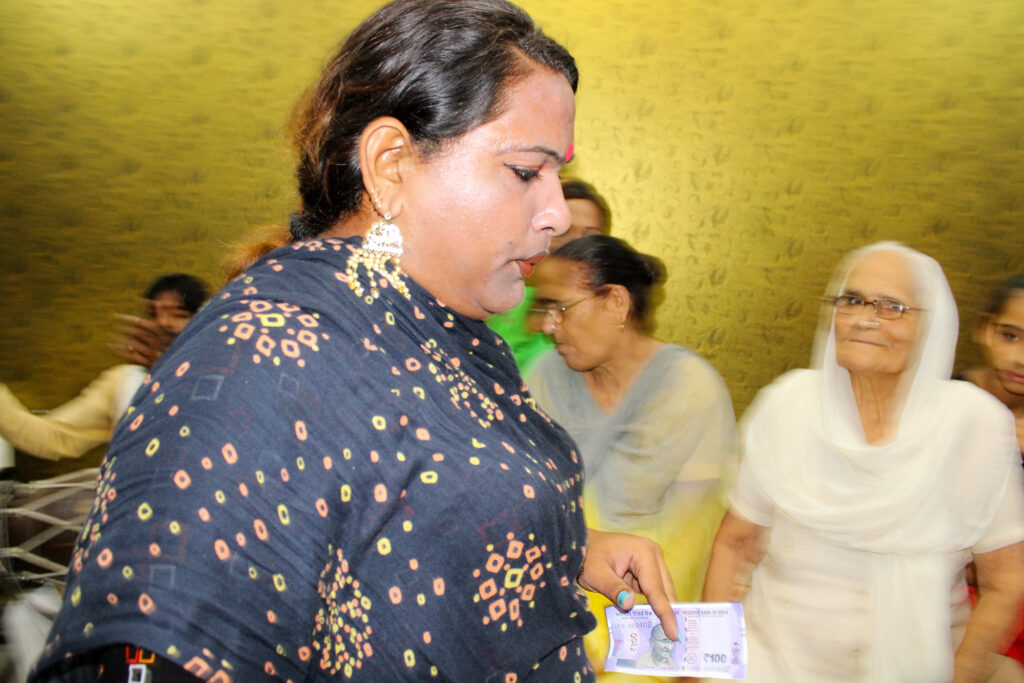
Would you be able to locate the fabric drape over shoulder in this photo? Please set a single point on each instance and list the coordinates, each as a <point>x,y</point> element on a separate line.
<point>313,485</point>
<point>659,466</point>
<point>874,536</point>
<point>673,436</point>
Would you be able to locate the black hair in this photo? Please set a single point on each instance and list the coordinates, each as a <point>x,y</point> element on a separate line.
<point>611,261</point>
<point>1003,293</point>
<point>574,188</point>
<point>441,67</point>
<point>193,291</point>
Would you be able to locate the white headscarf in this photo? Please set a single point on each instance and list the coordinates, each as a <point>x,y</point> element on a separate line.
<point>934,351</point>
<point>929,492</point>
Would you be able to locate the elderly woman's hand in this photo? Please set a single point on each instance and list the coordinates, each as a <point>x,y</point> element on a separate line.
<point>620,565</point>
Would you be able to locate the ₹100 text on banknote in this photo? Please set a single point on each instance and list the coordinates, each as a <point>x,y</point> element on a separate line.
<point>712,641</point>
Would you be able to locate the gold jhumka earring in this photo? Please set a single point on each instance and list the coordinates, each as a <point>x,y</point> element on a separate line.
<point>381,256</point>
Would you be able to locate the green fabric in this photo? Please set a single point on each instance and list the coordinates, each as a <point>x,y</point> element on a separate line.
<point>527,346</point>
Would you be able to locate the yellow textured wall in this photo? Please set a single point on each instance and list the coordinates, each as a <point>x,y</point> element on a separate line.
<point>748,144</point>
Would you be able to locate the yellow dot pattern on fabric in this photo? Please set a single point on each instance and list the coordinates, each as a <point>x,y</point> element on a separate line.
<point>342,629</point>
<point>393,470</point>
<point>509,581</point>
<point>262,321</point>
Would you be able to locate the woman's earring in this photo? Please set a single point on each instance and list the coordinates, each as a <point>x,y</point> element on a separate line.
<point>381,256</point>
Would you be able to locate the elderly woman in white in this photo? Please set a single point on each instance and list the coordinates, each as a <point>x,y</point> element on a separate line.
<point>866,488</point>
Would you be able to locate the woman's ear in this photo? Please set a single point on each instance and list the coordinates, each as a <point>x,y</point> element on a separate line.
<point>620,302</point>
<point>383,147</point>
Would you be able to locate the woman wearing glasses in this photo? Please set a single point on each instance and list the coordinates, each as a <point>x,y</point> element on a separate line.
<point>653,421</point>
<point>866,487</point>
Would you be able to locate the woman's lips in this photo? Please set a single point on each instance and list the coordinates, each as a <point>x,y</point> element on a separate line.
<point>526,266</point>
<point>1011,377</point>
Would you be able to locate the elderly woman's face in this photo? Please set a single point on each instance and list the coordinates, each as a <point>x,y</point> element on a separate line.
<point>478,216</point>
<point>865,343</point>
<point>581,332</point>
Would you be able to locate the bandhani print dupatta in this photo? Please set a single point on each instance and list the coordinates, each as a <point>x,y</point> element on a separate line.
<point>315,485</point>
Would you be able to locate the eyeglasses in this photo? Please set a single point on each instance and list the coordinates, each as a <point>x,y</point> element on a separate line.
<point>557,310</point>
<point>886,309</point>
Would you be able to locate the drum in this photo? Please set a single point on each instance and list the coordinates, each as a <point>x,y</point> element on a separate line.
<point>39,524</point>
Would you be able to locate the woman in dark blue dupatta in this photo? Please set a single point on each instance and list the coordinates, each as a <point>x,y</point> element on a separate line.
<point>337,471</point>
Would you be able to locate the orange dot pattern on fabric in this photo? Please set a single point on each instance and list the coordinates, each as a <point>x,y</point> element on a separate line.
<point>275,332</point>
<point>272,469</point>
<point>342,630</point>
<point>510,579</point>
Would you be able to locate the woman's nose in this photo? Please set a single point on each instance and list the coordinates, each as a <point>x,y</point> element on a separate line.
<point>547,325</point>
<point>1018,355</point>
<point>554,215</point>
<point>867,312</point>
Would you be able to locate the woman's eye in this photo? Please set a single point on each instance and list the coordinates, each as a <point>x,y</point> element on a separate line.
<point>525,174</point>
